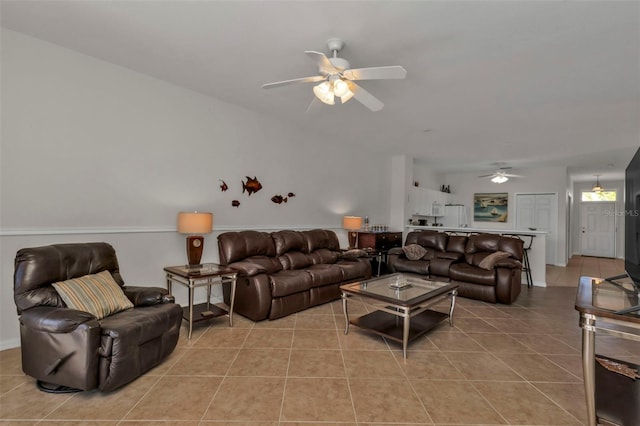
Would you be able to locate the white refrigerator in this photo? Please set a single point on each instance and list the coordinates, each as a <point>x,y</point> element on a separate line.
<point>455,216</point>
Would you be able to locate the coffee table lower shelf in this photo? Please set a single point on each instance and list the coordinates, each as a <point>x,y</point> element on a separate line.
<point>389,325</point>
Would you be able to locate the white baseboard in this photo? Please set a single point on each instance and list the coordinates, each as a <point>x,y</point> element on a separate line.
<point>9,344</point>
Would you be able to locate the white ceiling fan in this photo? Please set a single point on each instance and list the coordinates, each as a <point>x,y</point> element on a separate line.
<point>338,80</point>
<point>500,175</point>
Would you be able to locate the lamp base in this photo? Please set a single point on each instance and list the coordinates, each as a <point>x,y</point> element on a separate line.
<point>195,244</point>
<point>353,236</point>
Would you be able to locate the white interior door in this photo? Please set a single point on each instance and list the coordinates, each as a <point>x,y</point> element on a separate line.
<point>598,229</point>
<point>539,211</point>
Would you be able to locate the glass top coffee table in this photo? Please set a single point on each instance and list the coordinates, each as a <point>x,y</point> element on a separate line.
<point>402,303</point>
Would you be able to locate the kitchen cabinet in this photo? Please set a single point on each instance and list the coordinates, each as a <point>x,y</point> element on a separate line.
<point>427,202</point>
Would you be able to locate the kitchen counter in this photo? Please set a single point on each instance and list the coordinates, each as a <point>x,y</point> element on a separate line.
<point>537,252</point>
<point>482,230</point>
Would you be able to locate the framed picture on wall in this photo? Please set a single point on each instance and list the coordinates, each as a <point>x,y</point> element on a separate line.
<point>490,207</point>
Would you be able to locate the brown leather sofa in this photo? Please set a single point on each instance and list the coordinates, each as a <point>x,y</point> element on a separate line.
<point>71,348</point>
<point>287,271</point>
<point>466,261</point>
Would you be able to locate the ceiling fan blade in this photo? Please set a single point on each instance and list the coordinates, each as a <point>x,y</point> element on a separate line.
<point>376,73</point>
<point>364,97</point>
<point>513,176</point>
<point>325,66</point>
<point>314,105</point>
<point>294,81</point>
<point>484,176</point>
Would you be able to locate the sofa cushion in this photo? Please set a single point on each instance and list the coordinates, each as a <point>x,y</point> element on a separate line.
<point>324,274</point>
<point>321,238</point>
<point>97,294</point>
<point>289,241</point>
<point>457,244</point>
<point>472,274</point>
<point>294,260</point>
<point>483,242</point>
<point>489,261</point>
<point>414,251</point>
<point>352,270</point>
<point>428,239</point>
<point>513,246</point>
<point>413,266</point>
<point>289,282</point>
<point>234,246</point>
<point>324,256</point>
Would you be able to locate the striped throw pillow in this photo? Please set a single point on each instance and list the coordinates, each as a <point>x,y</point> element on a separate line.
<point>97,294</point>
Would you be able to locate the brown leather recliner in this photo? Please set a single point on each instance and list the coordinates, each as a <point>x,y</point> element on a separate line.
<point>71,348</point>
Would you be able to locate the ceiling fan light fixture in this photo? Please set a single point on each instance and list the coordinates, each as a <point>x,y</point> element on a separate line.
<point>324,93</point>
<point>346,96</point>
<point>340,88</point>
<point>499,179</point>
<point>597,187</point>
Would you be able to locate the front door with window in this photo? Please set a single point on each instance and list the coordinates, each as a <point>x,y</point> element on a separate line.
<point>598,229</point>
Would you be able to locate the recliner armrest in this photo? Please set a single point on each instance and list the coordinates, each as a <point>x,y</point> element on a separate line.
<point>247,268</point>
<point>147,296</point>
<point>509,263</point>
<point>56,320</point>
<point>395,250</point>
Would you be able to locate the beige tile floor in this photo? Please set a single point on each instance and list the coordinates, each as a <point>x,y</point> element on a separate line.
<point>517,364</point>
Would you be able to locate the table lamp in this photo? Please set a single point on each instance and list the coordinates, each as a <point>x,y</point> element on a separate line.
<point>352,224</point>
<point>193,224</point>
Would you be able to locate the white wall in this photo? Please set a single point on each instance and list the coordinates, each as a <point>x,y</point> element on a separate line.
<point>426,177</point>
<point>95,152</point>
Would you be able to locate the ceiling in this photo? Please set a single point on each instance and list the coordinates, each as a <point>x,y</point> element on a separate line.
<point>527,83</point>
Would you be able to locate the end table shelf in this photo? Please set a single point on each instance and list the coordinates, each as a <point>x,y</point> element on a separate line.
<point>202,312</point>
<point>204,275</point>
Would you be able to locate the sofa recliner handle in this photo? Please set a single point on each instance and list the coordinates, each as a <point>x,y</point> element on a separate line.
<point>53,367</point>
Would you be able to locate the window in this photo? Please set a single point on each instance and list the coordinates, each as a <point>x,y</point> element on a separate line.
<point>591,196</point>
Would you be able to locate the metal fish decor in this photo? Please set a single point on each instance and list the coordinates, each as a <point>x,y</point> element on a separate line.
<point>235,203</point>
<point>251,186</point>
<point>279,199</point>
<point>223,185</point>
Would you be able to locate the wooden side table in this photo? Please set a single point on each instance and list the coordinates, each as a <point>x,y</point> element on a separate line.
<point>207,275</point>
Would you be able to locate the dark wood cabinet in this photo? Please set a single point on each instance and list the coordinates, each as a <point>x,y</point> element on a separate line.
<point>379,241</point>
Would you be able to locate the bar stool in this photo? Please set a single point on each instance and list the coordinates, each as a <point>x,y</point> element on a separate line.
<point>525,258</point>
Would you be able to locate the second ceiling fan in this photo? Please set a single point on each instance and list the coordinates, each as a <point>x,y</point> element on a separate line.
<point>337,80</point>
<point>500,175</point>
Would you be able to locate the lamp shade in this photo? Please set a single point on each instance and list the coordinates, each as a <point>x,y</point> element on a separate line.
<point>195,222</point>
<point>352,222</point>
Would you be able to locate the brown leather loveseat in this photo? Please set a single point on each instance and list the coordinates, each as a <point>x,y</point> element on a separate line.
<point>287,271</point>
<point>68,348</point>
<point>486,267</point>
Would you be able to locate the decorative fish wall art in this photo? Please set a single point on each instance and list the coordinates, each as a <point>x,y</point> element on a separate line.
<point>251,186</point>
<point>279,199</point>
